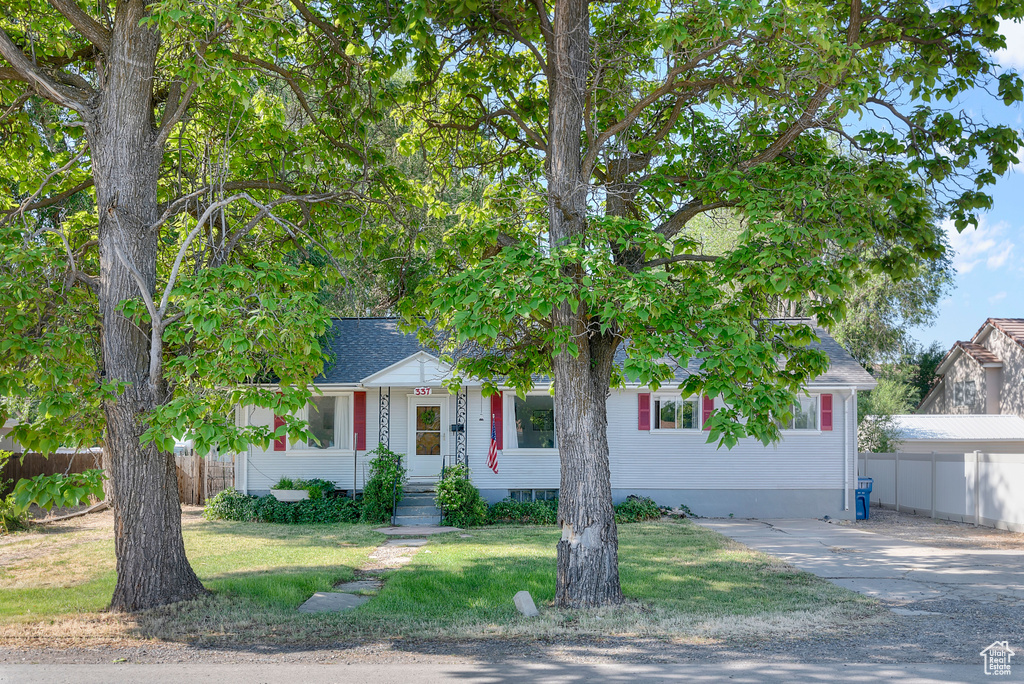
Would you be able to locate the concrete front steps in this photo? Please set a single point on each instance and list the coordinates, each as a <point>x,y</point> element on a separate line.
<point>417,507</point>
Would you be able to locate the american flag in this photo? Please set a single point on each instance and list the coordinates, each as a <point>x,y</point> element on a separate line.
<point>492,453</point>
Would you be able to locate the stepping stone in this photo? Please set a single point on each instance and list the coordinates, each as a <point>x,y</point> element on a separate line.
<point>332,602</point>
<point>359,586</point>
<point>405,542</point>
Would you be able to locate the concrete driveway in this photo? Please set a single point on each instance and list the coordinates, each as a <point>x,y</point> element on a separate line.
<point>885,568</point>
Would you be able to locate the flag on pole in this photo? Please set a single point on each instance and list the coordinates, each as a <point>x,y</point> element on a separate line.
<point>492,453</point>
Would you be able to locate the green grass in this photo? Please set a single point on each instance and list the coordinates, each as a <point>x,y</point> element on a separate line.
<point>263,566</point>
<point>675,576</point>
<point>682,581</point>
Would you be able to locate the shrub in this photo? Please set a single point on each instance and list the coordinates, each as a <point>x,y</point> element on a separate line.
<point>636,508</point>
<point>459,499</point>
<point>525,512</point>
<point>387,476</point>
<point>232,505</point>
<point>284,483</point>
<point>10,517</point>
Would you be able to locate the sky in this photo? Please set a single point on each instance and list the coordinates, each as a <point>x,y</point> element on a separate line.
<point>989,271</point>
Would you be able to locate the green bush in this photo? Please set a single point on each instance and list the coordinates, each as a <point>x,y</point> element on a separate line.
<point>636,508</point>
<point>379,493</point>
<point>232,505</point>
<point>10,517</point>
<point>459,499</point>
<point>525,512</point>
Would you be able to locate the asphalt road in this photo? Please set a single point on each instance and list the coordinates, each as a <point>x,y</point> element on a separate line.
<point>733,671</point>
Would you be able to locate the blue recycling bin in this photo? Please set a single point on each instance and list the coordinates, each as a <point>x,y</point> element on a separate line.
<point>862,497</point>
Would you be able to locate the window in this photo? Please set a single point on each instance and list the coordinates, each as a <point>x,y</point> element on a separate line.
<point>535,422</point>
<point>528,495</point>
<point>805,415</point>
<point>965,393</point>
<point>676,414</point>
<point>320,416</point>
<point>329,421</point>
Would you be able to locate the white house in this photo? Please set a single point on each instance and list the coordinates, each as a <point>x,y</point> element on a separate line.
<point>383,388</point>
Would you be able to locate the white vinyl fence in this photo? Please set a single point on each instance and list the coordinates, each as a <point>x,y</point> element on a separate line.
<point>984,489</point>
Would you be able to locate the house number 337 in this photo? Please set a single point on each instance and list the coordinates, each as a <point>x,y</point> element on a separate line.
<point>421,391</point>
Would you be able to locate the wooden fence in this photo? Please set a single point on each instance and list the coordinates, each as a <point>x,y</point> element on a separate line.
<point>973,487</point>
<point>198,478</point>
<point>202,478</point>
<point>36,464</point>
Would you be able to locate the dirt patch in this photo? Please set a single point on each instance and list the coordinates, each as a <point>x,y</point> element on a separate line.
<point>389,558</point>
<point>939,533</point>
<point>45,539</point>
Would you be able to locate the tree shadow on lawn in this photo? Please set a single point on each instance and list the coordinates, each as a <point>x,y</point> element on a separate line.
<point>463,589</point>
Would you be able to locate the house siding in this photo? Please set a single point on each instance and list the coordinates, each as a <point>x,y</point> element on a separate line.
<point>1011,390</point>
<point>668,466</point>
<point>964,369</point>
<point>801,476</point>
<point>998,390</point>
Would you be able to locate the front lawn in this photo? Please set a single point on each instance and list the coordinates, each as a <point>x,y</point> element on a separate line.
<point>682,582</point>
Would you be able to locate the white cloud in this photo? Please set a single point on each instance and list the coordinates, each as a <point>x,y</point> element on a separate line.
<point>998,296</point>
<point>986,243</point>
<point>1013,56</point>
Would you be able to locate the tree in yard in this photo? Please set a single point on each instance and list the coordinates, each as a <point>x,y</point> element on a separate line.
<point>607,129</point>
<point>175,176</point>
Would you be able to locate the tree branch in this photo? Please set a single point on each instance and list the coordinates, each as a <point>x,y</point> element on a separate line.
<point>799,126</point>
<point>97,34</point>
<point>680,257</point>
<point>24,70</point>
<point>301,96</point>
<point>674,223</point>
<point>29,204</point>
<point>168,123</point>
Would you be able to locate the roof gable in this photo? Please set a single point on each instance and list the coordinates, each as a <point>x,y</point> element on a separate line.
<point>419,368</point>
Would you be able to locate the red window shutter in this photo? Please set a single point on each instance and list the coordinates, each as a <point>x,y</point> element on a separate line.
<point>281,443</point>
<point>359,409</point>
<point>707,409</point>
<point>644,411</point>
<point>826,411</point>
<point>496,415</point>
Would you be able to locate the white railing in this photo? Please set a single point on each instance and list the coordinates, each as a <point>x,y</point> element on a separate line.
<point>974,487</point>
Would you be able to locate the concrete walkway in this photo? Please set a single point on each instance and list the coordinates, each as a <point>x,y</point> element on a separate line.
<point>734,671</point>
<point>883,567</point>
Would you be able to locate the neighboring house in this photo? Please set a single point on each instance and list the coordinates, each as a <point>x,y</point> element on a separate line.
<point>985,375</point>
<point>8,443</point>
<point>959,434</point>
<point>384,388</point>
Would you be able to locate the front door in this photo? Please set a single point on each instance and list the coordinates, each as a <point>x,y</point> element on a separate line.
<point>427,438</point>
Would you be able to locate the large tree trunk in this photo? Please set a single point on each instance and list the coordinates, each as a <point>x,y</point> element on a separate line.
<point>588,566</point>
<point>588,553</point>
<point>152,569</point>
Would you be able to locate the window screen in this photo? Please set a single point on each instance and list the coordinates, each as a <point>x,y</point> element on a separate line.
<point>321,417</point>
<point>535,422</point>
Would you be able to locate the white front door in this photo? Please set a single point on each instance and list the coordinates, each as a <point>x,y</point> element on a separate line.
<point>428,440</point>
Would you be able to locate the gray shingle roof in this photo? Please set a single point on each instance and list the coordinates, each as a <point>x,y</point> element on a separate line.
<point>364,346</point>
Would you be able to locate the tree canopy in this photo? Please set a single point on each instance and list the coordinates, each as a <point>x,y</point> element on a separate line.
<point>831,129</point>
<point>186,183</point>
